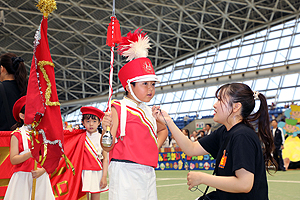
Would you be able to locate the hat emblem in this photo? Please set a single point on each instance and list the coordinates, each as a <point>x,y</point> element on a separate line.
<point>148,67</point>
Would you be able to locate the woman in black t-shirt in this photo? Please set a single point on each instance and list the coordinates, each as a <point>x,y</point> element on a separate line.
<point>240,161</point>
<point>13,78</point>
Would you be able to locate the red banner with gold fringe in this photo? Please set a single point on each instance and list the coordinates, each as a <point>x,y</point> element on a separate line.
<point>5,165</point>
<point>65,186</point>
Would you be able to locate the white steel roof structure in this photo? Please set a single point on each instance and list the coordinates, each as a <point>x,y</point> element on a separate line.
<point>178,30</point>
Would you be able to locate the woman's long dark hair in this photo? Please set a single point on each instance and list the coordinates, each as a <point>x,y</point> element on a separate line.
<point>239,92</point>
<point>15,65</point>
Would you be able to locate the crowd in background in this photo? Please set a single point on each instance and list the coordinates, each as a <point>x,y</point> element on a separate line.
<point>193,136</point>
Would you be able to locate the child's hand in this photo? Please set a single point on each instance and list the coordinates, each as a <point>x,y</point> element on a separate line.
<point>160,115</point>
<point>107,120</point>
<point>103,183</point>
<point>37,173</point>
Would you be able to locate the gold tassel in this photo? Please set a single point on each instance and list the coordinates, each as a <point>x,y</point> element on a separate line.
<point>46,7</point>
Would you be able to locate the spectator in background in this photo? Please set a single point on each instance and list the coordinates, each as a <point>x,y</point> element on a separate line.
<point>13,85</point>
<point>279,139</point>
<point>273,117</point>
<point>201,134</point>
<point>185,120</point>
<point>273,106</point>
<point>186,132</point>
<point>208,129</point>
<point>194,136</point>
<point>166,143</point>
<point>173,142</point>
<point>290,164</point>
<point>77,126</point>
<point>65,125</point>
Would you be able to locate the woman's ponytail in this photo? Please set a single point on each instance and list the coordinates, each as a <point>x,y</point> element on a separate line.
<point>21,76</point>
<point>15,65</point>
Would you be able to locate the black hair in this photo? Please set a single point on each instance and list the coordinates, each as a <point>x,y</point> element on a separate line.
<point>15,65</point>
<point>126,92</point>
<point>208,125</point>
<point>19,124</point>
<point>89,116</point>
<point>242,93</point>
<point>187,131</point>
<point>274,120</point>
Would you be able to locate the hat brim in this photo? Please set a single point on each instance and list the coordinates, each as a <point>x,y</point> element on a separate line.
<point>144,78</point>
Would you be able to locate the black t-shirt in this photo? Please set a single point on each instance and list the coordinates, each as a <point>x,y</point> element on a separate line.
<point>13,94</point>
<point>243,151</point>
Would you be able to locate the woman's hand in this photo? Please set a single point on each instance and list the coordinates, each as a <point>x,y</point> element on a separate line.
<point>107,120</point>
<point>37,173</point>
<point>160,115</point>
<point>194,179</point>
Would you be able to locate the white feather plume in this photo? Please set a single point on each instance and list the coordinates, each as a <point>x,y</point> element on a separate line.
<point>137,49</point>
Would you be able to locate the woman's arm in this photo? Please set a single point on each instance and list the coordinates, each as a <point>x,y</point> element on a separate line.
<point>15,158</point>
<point>242,182</point>
<point>189,147</point>
<point>162,133</point>
<point>111,120</point>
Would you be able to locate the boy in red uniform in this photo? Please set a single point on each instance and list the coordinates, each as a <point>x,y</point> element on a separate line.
<point>137,136</point>
<point>94,172</point>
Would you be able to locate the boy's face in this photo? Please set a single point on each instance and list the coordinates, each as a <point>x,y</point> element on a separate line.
<point>91,125</point>
<point>274,124</point>
<point>207,127</point>
<point>144,91</point>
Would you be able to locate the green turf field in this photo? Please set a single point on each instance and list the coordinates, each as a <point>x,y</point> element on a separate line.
<point>171,185</point>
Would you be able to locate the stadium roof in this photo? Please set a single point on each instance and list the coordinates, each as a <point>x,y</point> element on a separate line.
<point>177,30</point>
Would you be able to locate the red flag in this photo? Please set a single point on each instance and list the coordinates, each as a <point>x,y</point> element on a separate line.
<point>65,185</point>
<point>42,109</point>
<point>5,165</point>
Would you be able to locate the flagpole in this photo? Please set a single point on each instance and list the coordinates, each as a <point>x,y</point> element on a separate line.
<point>113,38</point>
<point>34,182</point>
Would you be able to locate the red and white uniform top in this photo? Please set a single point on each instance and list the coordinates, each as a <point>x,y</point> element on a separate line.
<point>92,152</point>
<point>22,134</point>
<point>139,145</point>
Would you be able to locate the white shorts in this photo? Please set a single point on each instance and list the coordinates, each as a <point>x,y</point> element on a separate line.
<point>91,181</point>
<point>20,186</point>
<point>131,181</point>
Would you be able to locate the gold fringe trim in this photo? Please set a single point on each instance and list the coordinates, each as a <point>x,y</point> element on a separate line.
<point>48,92</point>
